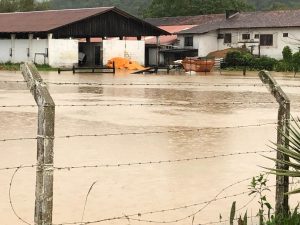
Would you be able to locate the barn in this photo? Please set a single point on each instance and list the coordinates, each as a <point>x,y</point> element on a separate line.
<point>57,37</point>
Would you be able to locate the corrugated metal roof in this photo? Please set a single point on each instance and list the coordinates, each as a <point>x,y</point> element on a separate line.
<point>268,19</point>
<point>42,21</point>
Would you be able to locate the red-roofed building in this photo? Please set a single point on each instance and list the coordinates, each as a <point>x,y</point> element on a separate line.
<point>52,37</point>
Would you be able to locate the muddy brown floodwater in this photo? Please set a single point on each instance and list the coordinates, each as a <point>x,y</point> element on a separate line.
<point>127,190</point>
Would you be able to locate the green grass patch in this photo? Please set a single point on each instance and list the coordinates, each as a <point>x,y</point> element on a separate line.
<point>16,67</point>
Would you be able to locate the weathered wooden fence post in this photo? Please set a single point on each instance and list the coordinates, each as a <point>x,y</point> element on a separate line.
<point>45,139</point>
<point>282,182</point>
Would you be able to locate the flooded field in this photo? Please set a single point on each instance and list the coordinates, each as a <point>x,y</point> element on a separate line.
<point>181,116</point>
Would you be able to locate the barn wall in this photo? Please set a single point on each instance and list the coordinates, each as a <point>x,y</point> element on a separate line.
<point>63,52</point>
<point>5,46</point>
<point>131,49</point>
<point>39,46</point>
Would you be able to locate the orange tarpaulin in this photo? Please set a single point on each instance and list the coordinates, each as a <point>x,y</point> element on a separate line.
<point>122,63</point>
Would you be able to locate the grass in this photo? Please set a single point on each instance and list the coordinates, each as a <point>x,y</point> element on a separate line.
<point>16,67</point>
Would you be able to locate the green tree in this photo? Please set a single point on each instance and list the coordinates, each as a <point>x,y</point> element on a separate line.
<point>8,5</point>
<point>296,62</point>
<point>162,8</point>
<point>287,54</point>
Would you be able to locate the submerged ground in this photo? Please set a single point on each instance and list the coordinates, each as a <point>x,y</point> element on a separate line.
<point>218,105</point>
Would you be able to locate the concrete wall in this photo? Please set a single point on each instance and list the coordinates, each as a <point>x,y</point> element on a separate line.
<point>40,47</point>
<point>5,46</point>
<point>207,43</point>
<point>63,52</point>
<point>131,49</point>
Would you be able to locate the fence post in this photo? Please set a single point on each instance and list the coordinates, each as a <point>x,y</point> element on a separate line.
<point>282,182</point>
<point>45,140</point>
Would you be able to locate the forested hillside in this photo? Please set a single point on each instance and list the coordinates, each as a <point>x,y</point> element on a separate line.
<point>153,8</point>
<point>135,7</point>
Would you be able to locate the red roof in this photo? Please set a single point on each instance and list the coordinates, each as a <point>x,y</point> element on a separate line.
<point>169,39</point>
<point>151,40</point>
<point>42,21</point>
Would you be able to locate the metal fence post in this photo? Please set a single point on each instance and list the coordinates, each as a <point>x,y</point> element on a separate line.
<point>282,182</point>
<point>45,140</point>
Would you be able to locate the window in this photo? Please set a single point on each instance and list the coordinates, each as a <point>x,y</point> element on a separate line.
<point>246,36</point>
<point>227,38</point>
<point>256,36</point>
<point>188,41</point>
<point>220,36</point>
<point>266,40</point>
<point>285,34</point>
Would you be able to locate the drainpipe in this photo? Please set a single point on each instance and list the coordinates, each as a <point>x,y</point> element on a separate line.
<point>13,46</point>
<point>50,36</point>
<point>30,53</point>
<point>157,51</point>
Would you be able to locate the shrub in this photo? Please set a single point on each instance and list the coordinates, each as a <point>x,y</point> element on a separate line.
<point>296,62</point>
<point>287,54</point>
<point>264,63</point>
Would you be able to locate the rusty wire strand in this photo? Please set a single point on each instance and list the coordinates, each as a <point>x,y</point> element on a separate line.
<point>140,133</point>
<point>206,203</point>
<point>60,168</point>
<point>10,198</point>
<point>160,162</point>
<point>145,104</point>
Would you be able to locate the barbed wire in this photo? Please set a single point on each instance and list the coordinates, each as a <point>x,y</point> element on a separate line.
<point>145,104</point>
<point>139,133</point>
<point>10,198</point>
<point>130,217</point>
<point>170,84</point>
<point>161,161</point>
<point>60,168</point>
<point>195,84</point>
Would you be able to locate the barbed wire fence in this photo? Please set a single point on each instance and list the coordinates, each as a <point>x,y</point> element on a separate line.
<point>43,168</point>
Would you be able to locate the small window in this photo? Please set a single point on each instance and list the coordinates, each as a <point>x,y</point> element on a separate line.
<point>285,34</point>
<point>228,38</point>
<point>266,40</point>
<point>188,41</point>
<point>220,36</point>
<point>256,36</point>
<point>246,36</point>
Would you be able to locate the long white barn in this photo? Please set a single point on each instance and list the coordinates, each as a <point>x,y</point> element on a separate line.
<point>56,37</point>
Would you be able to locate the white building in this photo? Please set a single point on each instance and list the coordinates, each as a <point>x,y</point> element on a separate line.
<point>264,33</point>
<point>52,37</point>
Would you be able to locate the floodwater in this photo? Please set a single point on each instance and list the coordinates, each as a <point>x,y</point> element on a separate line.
<point>136,189</point>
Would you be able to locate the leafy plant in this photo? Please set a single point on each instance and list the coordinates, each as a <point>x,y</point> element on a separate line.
<point>296,62</point>
<point>291,219</point>
<point>287,54</point>
<point>258,186</point>
<point>292,151</point>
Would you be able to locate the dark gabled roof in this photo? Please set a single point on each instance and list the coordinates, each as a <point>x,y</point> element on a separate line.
<point>266,19</point>
<point>47,21</point>
<point>184,20</point>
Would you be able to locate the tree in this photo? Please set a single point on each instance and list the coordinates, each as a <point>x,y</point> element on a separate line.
<point>296,62</point>
<point>8,6</point>
<point>22,5</point>
<point>163,8</point>
<point>287,54</point>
